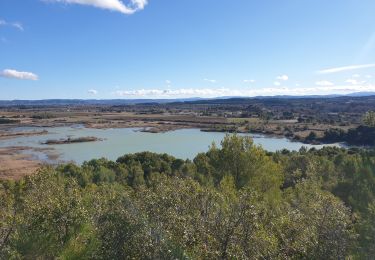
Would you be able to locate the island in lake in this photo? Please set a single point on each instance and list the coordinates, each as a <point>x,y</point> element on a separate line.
<point>70,140</point>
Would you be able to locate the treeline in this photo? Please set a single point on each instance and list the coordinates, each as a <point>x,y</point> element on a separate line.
<point>4,120</point>
<point>363,135</point>
<point>234,201</point>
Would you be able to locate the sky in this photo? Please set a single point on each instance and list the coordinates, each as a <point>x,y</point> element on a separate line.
<point>109,49</point>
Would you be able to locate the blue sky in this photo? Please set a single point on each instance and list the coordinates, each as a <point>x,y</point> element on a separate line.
<point>180,48</point>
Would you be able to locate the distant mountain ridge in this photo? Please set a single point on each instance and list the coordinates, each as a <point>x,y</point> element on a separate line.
<point>79,102</point>
<point>118,102</point>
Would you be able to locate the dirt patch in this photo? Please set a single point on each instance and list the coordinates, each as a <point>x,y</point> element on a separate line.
<point>14,165</point>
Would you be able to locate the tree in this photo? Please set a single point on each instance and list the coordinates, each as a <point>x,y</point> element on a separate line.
<point>9,210</point>
<point>322,223</point>
<point>366,229</point>
<point>136,175</point>
<point>247,163</point>
<point>369,119</point>
<point>52,214</point>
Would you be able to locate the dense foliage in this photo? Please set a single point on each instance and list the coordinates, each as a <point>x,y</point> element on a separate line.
<point>235,201</point>
<point>363,135</point>
<point>4,120</point>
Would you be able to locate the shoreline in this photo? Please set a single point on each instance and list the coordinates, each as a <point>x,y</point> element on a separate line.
<point>15,163</point>
<point>20,161</point>
<point>152,127</point>
<point>5,135</point>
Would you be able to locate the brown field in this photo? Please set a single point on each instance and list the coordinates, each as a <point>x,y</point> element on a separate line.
<point>14,165</point>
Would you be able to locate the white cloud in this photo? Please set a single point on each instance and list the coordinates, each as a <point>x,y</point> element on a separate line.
<point>222,92</point>
<point>9,73</point>
<point>282,77</point>
<point>92,92</point>
<point>249,80</point>
<point>276,83</point>
<point>356,76</point>
<point>352,81</point>
<point>168,82</point>
<point>345,68</point>
<point>210,80</point>
<point>324,83</point>
<point>355,81</point>
<point>140,3</point>
<point>16,25</point>
<point>368,76</point>
<point>130,7</point>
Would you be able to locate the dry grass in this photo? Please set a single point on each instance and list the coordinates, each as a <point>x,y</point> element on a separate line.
<point>14,165</point>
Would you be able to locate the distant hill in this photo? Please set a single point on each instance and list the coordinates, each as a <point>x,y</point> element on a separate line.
<point>119,102</point>
<point>88,102</point>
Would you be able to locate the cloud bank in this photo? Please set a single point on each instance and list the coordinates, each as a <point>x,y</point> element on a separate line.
<point>14,74</point>
<point>226,92</point>
<point>130,7</point>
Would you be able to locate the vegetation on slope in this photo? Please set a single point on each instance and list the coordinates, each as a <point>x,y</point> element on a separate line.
<point>236,201</point>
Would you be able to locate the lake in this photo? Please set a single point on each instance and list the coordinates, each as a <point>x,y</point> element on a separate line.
<point>184,143</point>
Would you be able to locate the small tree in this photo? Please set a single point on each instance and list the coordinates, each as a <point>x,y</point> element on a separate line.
<point>369,119</point>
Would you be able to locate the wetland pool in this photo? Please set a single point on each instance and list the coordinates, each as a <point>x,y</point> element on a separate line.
<point>183,143</point>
